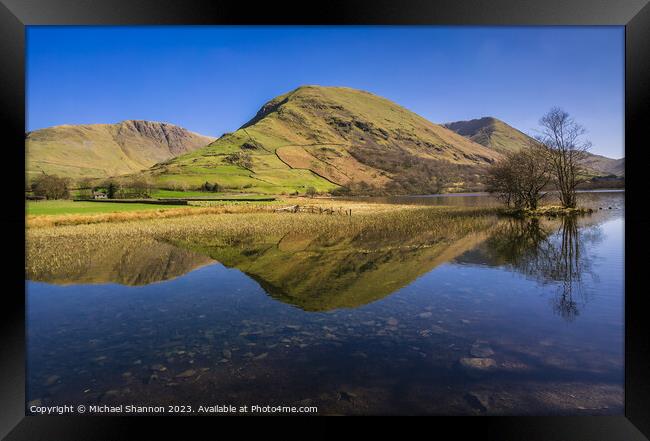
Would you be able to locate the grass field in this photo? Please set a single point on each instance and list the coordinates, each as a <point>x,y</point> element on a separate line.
<point>41,208</point>
<point>203,195</point>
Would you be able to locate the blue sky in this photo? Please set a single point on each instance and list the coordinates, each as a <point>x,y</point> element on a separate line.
<point>213,79</point>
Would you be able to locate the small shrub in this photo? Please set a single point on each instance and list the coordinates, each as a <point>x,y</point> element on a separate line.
<point>341,191</point>
<point>310,191</point>
<point>211,187</point>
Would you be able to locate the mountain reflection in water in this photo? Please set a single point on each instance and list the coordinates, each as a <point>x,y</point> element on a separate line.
<point>391,323</point>
<point>319,274</point>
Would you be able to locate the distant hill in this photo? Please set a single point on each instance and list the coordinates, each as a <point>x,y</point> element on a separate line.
<point>492,133</point>
<point>101,150</point>
<point>605,165</point>
<point>501,137</point>
<point>327,137</point>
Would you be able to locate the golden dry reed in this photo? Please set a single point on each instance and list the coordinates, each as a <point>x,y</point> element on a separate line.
<point>78,219</point>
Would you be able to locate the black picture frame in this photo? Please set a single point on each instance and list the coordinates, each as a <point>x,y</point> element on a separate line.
<point>633,14</point>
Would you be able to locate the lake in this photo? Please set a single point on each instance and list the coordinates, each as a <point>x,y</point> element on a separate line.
<point>519,317</point>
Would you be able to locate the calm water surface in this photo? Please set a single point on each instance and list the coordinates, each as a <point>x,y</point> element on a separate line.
<point>524,318</point>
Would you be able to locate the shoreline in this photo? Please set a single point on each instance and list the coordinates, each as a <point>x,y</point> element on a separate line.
<point>358,204</point>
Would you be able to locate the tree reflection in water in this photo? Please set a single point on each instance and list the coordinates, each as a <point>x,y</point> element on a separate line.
<point>549,252</point>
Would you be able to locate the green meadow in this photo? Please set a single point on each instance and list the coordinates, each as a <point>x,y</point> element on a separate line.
<point>57,207</point>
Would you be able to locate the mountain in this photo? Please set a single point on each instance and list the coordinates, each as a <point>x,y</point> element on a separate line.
<point>328,137</point>
<point>501,137</point>
<point>605,165</point>
<point>491,132</point>
<point>101,150</point>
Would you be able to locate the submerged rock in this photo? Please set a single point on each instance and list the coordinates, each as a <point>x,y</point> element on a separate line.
<point>478,400</point>
<point>111,394</point>
<point>52,379</point>
<point>481,349</point>
<point>477,364</point>
<point>186,374</point>
<point>514,365</point>
<point>150,379</point>
<point>438,329</point>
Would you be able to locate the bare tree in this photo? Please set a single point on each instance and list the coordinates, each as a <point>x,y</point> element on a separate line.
<point>51,187</point>
<point>520,178</point>
<point>534,173</point>
<point>139,187</point>
<point>562,137</point>
<point>501,181</point>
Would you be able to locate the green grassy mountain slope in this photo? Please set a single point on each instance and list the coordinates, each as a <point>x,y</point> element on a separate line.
<point>501,137</point>
<point>101,150</point>
<point>327,137</point>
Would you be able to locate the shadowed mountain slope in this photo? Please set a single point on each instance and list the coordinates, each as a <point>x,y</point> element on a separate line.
<point>501,137</point>
<point>101,150</point>
<point>491,132</point>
